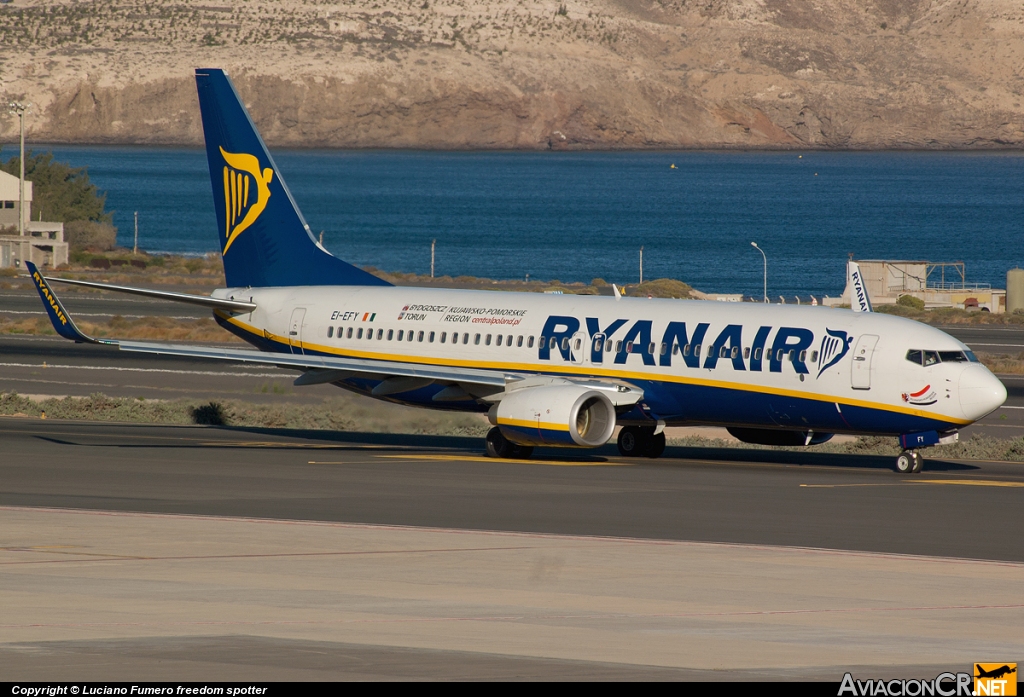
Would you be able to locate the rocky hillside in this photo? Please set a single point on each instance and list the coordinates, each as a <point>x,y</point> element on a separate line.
<point>531,74</point>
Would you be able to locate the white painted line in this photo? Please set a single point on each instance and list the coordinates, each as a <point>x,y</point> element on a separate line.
<point>144,370</point>
<point>1011,407</point>
<point>973,344</point>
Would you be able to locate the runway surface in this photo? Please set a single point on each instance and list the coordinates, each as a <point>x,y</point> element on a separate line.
<point>151,548</point>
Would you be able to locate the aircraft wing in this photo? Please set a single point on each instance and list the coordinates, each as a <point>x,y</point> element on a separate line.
<point>320,368</point>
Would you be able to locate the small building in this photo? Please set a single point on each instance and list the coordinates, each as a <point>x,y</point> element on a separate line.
<point>43,242</point>
<point>938,284</point>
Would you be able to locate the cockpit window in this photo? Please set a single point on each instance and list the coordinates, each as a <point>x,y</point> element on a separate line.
<point>926,358</point>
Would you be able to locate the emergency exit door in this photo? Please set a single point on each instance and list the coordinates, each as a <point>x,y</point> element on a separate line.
<point>295,330</point>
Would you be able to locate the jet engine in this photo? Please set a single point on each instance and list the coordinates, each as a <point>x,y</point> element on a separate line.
<point>769,436</point>
<point>558,415</point>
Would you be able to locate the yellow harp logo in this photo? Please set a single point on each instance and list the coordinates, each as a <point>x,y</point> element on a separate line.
<point>243,182</point>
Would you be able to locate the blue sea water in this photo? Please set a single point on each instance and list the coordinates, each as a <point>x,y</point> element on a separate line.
<point>579,216</point>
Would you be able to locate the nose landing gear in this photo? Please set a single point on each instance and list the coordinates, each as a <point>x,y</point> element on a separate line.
<point>909,462</point>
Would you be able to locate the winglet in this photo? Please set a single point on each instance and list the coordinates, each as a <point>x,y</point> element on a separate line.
<point>859,300</point>
<point>60,318</point>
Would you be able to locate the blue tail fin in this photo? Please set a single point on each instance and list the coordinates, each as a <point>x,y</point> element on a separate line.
<point>263,236</point>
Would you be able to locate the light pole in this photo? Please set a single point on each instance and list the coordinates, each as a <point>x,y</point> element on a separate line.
<point>754,245</point>
<point>19,109</point>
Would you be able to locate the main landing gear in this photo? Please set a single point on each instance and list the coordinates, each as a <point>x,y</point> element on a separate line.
<point>636,441</point>
<point>909,462</point>
<point>500,446</point>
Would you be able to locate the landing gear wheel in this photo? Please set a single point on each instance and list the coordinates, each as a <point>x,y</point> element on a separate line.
<point>655,445</point>
<point>631,441</point>
<point>522,451</point>
<point>918,464</point>
<point>498,445</point>
<point>906,460</point>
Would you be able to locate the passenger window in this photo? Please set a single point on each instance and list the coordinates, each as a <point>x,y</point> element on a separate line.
<point>565,343</point>
<point>746,352</point>
<point>723,352</point>
<point>675,349</point>
<point>529,342</point>
<point>931,357</point>
<point>465,337</point>
<point>487,341</point>
<point>618,347</point>
<point>757,354</point>
<point>686,350</point>
<point>508,340</point>
<point>792,356</point>
<point>330,332</point>
<point>391,334</point>
<point>443,336</point>
<point>431,337</point>
<point>519,342</point>
<point>380,334</point>
<point>400,335</point>
<point>553,344</point>
<point>498,340</point>
<point>410,337</point>
<point>814,356</point>
<point>419,337</point>
<point>780,355</point>
<point>650,348</point>
<point>597,345</point>
<point>629,347</point>
<point>349,333</point>
<point>578,345</point>
<point>803,356</point>
<point>359,334</point>
<point>696,350</point>
<point>476,340</point>
<point>735,352</point>
<point>540,343</point>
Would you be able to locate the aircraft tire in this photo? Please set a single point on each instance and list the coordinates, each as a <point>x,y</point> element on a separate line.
<point>522,451</point>
<point>655,445</point>
<point>905,462</point>
<point>631,441</point>
<point>498,445</point>
<point>918,463</point>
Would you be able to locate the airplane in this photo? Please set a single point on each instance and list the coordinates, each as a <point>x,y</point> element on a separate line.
<point>996,673</point>
<point>553,370</point>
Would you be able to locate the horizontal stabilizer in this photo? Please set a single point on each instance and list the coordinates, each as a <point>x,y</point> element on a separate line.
<point>203,300</point>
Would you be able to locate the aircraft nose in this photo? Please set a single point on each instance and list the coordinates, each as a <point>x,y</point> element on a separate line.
<point>981,392</point>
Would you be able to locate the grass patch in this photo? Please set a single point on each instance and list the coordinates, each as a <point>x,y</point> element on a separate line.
<point>203,330</point>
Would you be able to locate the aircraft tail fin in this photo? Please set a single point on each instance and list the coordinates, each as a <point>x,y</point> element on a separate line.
<point>859,300</point>
<point>263,236</point>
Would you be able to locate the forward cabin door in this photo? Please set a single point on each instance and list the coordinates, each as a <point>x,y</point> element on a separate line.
<point>295,330</point>
<point>860,377</point>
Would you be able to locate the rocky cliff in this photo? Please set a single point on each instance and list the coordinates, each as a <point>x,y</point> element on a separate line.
<point>537,75</point>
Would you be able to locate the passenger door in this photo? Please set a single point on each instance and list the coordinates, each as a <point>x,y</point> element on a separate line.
<point>295,330</point>
<point>863,351</point>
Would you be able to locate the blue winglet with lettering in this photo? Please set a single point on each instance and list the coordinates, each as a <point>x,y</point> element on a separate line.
<point>60,318</point>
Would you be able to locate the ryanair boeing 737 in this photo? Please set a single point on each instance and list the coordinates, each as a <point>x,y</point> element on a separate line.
<point>555,370</point>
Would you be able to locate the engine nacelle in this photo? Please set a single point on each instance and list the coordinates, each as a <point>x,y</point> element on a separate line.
<point>769,436</point>
<point>558,415</point>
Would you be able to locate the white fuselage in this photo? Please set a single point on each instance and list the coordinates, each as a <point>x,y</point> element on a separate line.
<point>697,361</point>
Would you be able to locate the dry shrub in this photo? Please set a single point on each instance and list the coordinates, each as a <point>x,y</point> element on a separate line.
<point>88,234</point>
